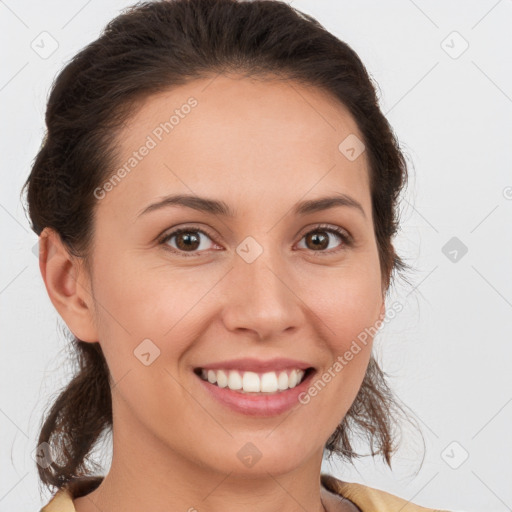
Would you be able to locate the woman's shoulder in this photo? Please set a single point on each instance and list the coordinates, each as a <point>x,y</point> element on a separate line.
<point>62,500</point>
<point>370,499</point>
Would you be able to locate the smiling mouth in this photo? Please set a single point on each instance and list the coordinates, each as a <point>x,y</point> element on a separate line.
<point>255,383</point>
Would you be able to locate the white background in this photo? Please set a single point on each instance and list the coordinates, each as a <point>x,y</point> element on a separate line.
<point>448,353</point>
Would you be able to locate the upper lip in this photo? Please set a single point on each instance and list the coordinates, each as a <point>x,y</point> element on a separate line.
<point>257,365</point>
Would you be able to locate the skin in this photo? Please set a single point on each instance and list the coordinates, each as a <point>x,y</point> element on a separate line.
<point>261,146</point>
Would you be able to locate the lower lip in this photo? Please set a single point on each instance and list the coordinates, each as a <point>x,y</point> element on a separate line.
<point>260,404</point>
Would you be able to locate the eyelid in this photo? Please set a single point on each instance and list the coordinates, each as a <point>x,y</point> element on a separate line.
<point>327,227</point>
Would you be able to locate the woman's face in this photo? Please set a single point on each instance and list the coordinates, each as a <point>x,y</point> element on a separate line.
<point>265,282</point>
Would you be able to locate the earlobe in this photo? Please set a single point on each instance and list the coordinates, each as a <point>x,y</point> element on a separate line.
<point>67,285</point>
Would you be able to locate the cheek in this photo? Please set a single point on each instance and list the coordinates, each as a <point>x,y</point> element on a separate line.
<point>135,303</point>
<point>347,314</point>
<point>349,305</point>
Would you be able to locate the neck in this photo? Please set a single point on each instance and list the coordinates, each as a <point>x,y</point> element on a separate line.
<point>145,475</point>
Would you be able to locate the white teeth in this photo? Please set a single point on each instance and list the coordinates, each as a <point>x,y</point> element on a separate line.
<point>282,381</point>
<point>268,382</point>
<point>222,379</point>
<point>234,380</point>
<point>251,382</point>
<point>292,379</point>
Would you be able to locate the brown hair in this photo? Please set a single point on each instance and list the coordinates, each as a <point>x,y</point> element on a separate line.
<point>149,48</point>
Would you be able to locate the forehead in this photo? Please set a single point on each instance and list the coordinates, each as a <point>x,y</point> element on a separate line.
<point>226,133</point>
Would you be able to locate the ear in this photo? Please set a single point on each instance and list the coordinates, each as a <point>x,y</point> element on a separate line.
<point>67,285</point>
<point>382,310</point>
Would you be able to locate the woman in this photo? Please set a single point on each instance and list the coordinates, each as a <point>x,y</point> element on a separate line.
<point>216,199</point>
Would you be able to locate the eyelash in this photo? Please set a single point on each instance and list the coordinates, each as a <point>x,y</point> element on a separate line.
<point>345,237</point>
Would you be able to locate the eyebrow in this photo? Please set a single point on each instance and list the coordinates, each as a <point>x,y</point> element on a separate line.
<point>216,207</point>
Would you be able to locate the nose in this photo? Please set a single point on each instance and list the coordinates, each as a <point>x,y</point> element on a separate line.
<point>262,297</point>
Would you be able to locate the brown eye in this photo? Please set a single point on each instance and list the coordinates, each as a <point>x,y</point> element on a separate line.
<point>319,239</point>
<point>188,240</point>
